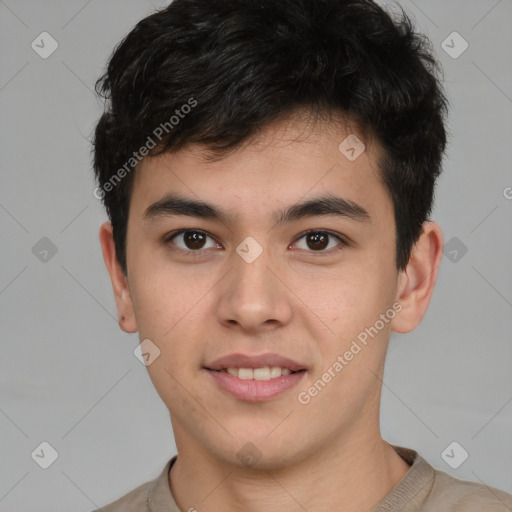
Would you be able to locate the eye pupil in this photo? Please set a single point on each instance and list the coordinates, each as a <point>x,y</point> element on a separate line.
<point>194,239</point>
<point>317,241</point>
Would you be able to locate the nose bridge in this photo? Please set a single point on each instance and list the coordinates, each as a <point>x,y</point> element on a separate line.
<point>251,271</point>
<point>251,274</point>
<point>251,296</point>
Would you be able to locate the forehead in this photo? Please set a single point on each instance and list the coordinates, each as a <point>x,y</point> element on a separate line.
<point>288,161</point>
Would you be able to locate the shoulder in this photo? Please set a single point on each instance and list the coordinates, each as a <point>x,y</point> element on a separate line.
<point>154,493</point>
<point>134,501</point>
<point>466,496</point>
<point>426,489</point>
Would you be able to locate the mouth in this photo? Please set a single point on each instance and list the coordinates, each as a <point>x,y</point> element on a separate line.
<point>255,378</point>
<point>263,373</point>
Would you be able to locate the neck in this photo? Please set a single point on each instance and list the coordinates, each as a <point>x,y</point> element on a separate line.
<point>349,474</point>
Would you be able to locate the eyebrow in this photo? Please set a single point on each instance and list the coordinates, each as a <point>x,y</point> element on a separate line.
<point>325,205</point>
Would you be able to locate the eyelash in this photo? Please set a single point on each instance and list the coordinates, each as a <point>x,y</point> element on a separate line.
<point>200,252</point>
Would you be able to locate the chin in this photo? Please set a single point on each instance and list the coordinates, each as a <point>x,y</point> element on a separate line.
<point>267,452</point>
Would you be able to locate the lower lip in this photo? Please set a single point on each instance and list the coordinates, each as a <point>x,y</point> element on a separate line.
<point>252,390</point>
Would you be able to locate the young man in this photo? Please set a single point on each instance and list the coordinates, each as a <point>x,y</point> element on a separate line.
<point>268,167</point>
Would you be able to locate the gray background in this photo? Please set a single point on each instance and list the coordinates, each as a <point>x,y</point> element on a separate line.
<point>68,375</point>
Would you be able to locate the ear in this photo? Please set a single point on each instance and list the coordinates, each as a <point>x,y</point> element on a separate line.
<point>416,283</point>
<point>124,304</point>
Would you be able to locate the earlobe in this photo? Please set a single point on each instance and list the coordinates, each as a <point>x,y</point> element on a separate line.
<point>122,294</point>
<point>416,283</point>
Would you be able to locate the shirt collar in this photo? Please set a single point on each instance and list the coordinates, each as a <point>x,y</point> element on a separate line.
<point>159,498</point>
<point>414,487</point>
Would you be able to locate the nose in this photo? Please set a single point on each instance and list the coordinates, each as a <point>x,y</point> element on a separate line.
<point>252,297</point>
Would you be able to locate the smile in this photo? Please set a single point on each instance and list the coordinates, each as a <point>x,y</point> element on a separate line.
<point>255,385</point>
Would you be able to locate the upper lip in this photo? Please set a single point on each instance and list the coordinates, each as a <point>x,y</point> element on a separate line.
<point>254,361</point>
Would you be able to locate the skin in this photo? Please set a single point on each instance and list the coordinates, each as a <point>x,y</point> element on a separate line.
<point>293,300</point>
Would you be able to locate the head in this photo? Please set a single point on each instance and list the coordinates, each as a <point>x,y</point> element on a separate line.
<point>238,121</point>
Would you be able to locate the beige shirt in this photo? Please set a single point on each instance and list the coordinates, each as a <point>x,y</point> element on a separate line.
<point>422,488</point>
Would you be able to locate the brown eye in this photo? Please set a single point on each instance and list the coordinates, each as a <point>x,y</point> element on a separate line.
<point>319,241</point>
<point>192,240</point>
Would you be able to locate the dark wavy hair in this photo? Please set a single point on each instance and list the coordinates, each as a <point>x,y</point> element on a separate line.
<point>244,63</point>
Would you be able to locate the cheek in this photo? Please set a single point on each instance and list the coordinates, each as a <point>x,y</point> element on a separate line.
<point>164,295</point>
<point>171,307</point>
<point>155,307</point>
<point>348,301</point>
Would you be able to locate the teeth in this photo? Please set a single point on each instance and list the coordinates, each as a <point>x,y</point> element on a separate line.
<point>245,373</point>
<point>264,373</point>
<point>275,371</point>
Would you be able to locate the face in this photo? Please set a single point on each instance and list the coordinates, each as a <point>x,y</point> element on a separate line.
<point>284,247</point>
